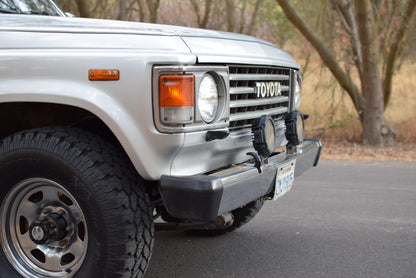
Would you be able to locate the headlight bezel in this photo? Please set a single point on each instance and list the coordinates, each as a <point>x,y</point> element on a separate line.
<point>296,90</point>
<point>221,119</point>
<point>207,116</point>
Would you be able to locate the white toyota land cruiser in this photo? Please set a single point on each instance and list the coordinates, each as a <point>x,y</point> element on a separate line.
<point>107,125</point>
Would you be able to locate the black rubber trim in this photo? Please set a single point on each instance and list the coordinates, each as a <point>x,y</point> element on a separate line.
<point>192,197</point>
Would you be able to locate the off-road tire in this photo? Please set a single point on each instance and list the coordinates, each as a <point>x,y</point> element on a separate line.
<point>99,179</point>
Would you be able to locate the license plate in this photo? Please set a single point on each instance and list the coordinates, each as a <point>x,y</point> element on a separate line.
<point>284,179</point>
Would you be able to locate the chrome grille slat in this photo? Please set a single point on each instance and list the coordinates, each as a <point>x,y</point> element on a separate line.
<point>256,114</point>
<point>258,77</point>
<point>241,90</point>
<point>245,106</point>
<point>256,102</point>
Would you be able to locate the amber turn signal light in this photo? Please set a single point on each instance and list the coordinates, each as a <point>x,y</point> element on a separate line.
<point>103,74</point>
<point>176,90</point>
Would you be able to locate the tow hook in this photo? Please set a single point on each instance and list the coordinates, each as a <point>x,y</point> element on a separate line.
<point>224,221</point>
<point>257,161</point>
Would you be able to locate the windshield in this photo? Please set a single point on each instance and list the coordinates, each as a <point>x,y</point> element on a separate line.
<point>41,7</point>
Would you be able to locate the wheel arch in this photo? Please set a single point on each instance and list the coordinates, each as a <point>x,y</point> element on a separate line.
<point>19,116</point>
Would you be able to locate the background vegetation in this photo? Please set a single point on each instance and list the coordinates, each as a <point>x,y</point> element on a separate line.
<point>334,115</point>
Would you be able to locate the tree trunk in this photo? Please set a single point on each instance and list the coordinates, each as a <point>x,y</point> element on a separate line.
<point>242,17</point>
<point>205,19</point>
<point>371,83</point>
<point>122,11</point>
<point>82,8</point>
<point>153,6</point>
<point>230,9</point>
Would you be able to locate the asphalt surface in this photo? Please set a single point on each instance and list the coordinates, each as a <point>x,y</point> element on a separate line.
<point>342,219</point>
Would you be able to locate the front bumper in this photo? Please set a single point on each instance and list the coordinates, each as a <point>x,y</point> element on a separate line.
<point>204,197</point>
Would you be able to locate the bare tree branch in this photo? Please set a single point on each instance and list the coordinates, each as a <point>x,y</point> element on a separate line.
<point>153,6</point>
<point>340,7</point>
<point>130,10</point>
<point>394,50</point>
<point>202,21</point>
<point>253,17</point>
<point>346,13</point>
<point>328,58</point>
<point>318,20</point>
<point>386,29</point>
<point>242,17</point>
<point>140,10</point>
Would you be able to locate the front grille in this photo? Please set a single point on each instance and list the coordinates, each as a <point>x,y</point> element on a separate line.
<point>244,104</point>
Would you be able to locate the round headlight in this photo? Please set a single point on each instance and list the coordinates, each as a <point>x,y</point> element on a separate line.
<point>208,98</point>
<point>297,93</point>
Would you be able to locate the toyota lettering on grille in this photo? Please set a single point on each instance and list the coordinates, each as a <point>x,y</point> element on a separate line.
<point>267,89</point>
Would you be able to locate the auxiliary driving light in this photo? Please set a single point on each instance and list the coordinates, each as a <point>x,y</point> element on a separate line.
<point>295,125</point>
<point>264,136</point>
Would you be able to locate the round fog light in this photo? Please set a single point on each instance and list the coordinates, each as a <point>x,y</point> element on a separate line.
<point>300,126</point>
<point>295,127</point>
<point>264,136</point>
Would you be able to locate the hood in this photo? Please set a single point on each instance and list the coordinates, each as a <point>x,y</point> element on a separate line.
<point>209,46</point>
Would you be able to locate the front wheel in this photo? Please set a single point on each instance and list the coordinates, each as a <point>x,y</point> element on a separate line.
<point>71,206</point>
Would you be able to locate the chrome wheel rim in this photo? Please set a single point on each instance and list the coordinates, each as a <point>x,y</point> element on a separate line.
<point>44,232</point>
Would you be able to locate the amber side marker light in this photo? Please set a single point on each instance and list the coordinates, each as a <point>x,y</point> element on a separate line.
<point>176,98</point>
<point>103,74</point>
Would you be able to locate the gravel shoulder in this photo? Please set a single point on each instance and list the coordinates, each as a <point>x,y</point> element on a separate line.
<point>354,151</point>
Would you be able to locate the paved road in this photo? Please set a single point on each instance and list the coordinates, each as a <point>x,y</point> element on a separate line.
<point>342,219</point>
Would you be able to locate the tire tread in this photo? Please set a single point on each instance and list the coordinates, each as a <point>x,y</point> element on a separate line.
<point>116,184</point>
